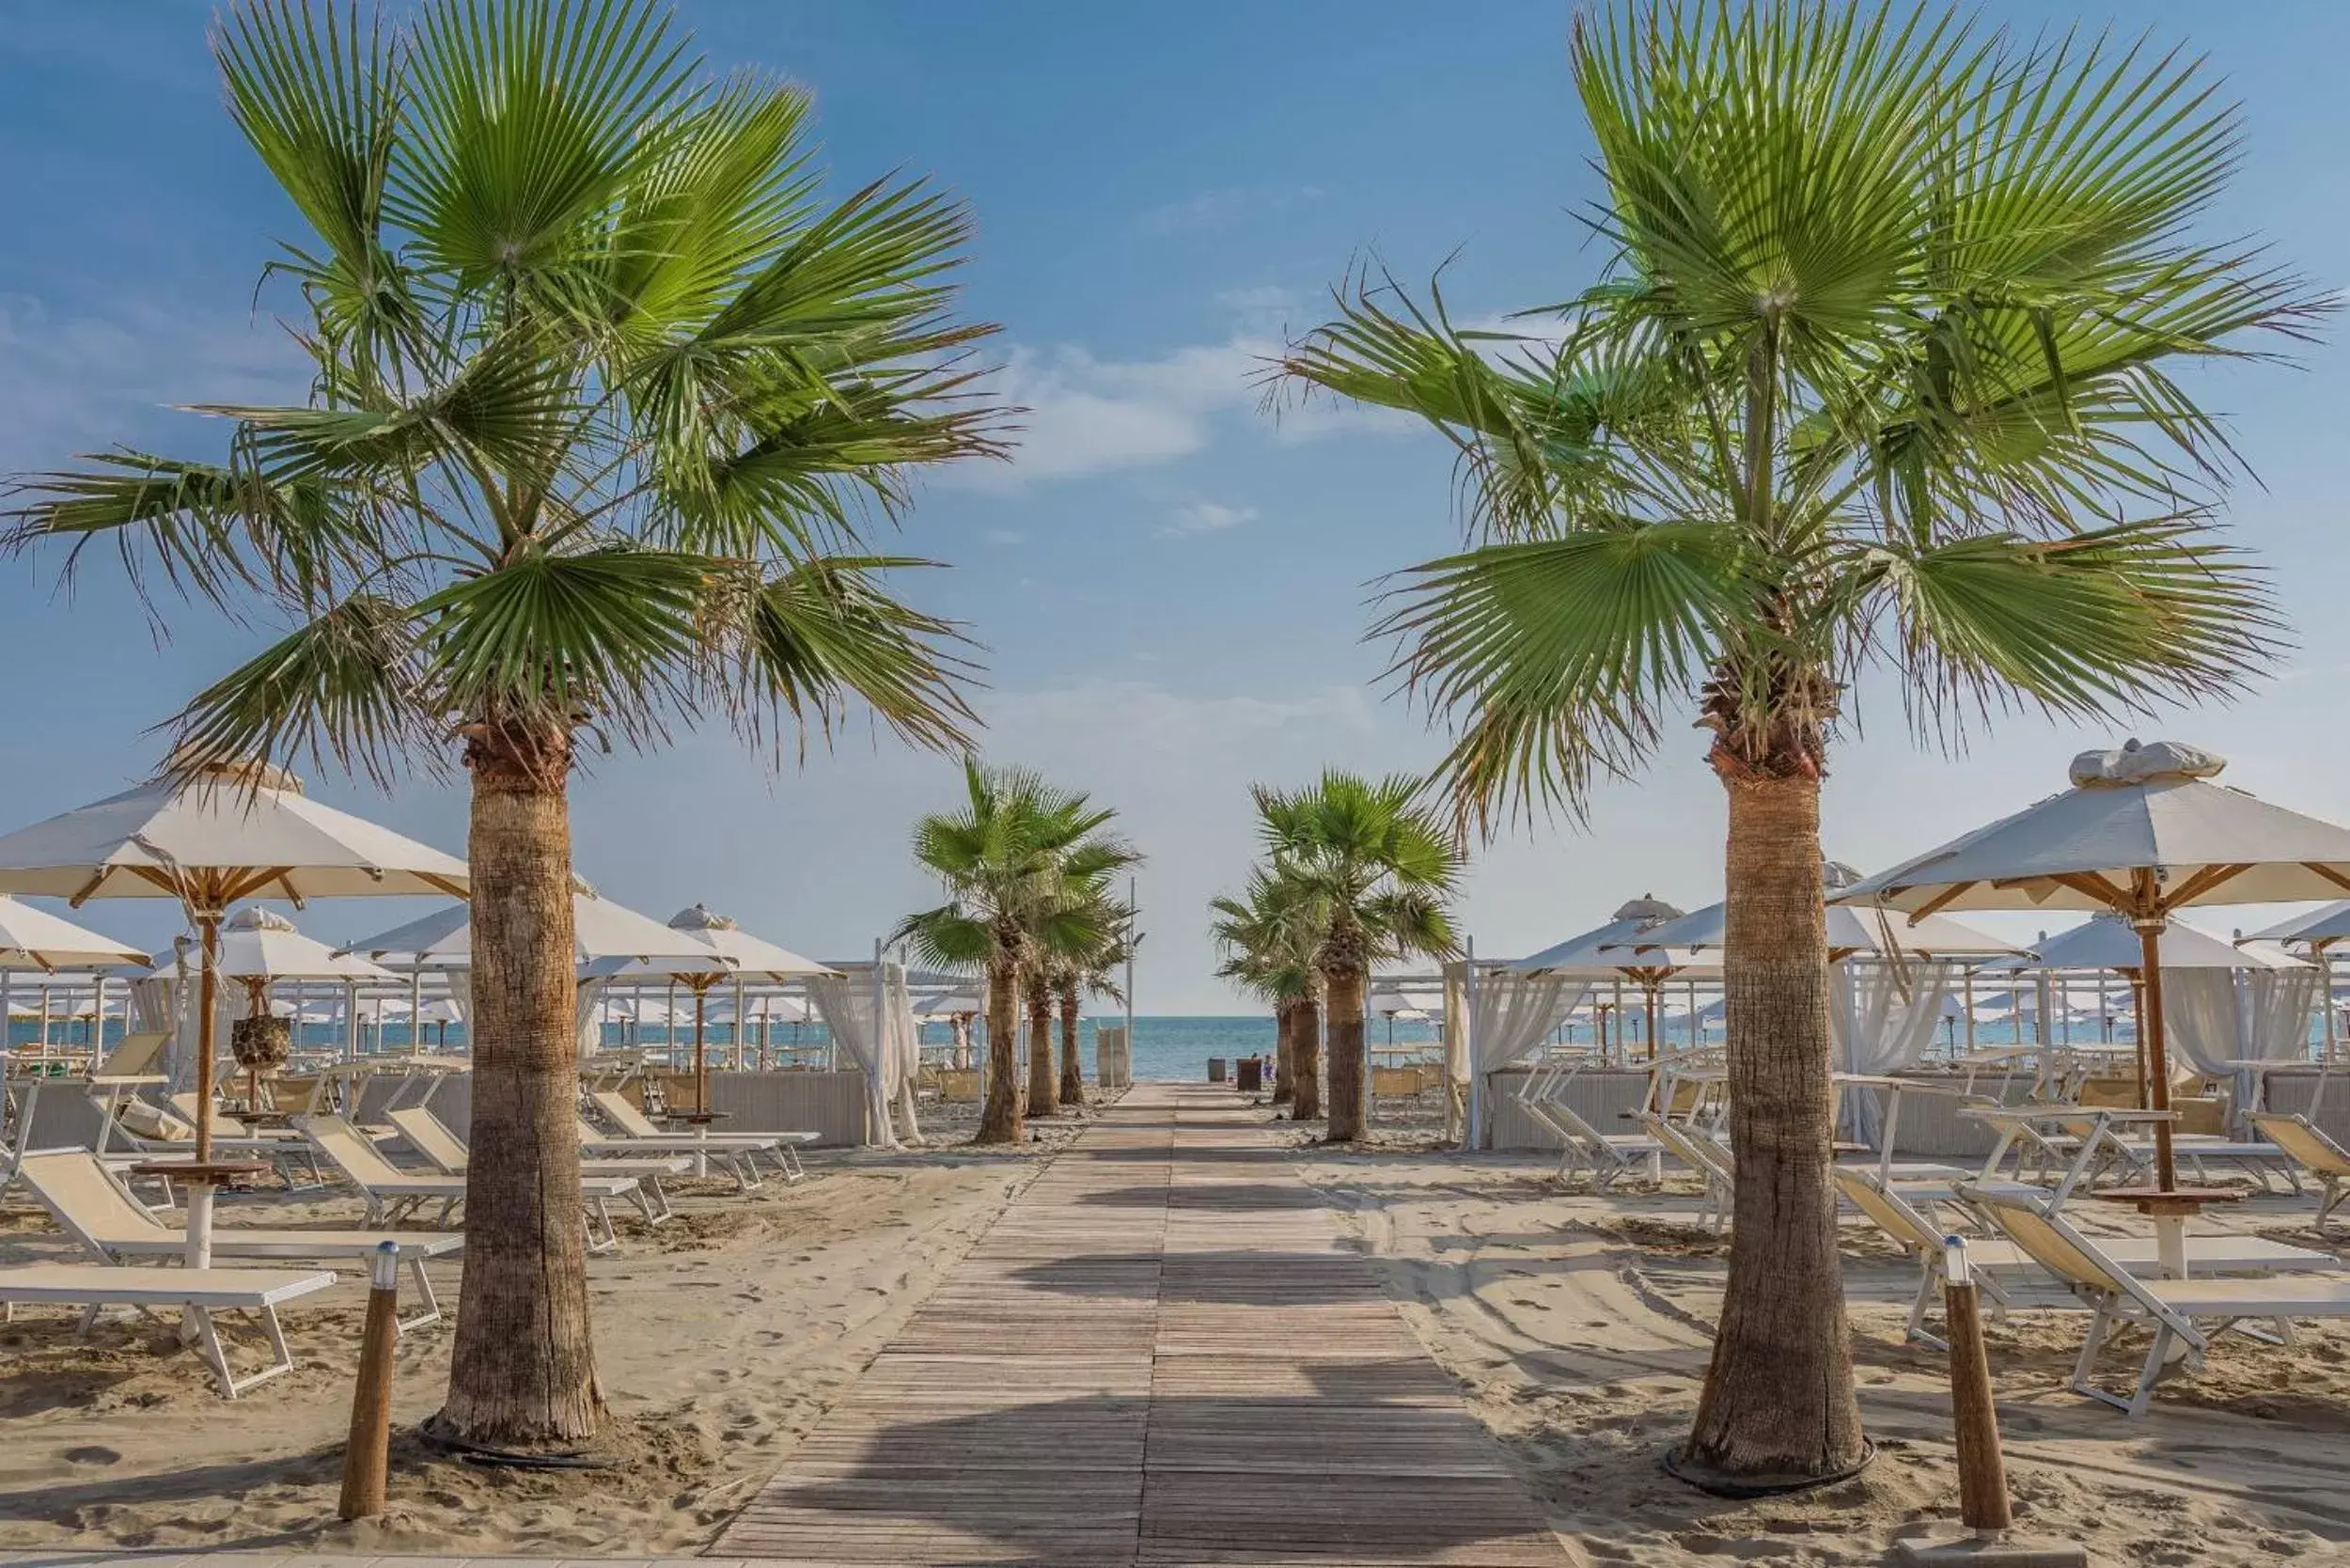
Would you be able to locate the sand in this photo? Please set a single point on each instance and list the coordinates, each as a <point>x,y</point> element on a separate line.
<point>720,1338</point>
<point>1580,1327</point>
<point>1577,1327</point>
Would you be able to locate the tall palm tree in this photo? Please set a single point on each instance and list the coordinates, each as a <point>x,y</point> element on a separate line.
<point>1269,937</point>
<point>1008,858</point>
<point>1380,866</point>
<point>600,389</point>
<point>1879,371</point>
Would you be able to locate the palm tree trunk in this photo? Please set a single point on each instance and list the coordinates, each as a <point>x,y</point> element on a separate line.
<point>1778,1398</point>
<point>522,1367</point>
<point>1344,986</point>
<point>1072,1072</point>
<point>1001,1121</point>
<point>1305,1058</point>
<point>1043,1088</point>
<point>1284,1063</point>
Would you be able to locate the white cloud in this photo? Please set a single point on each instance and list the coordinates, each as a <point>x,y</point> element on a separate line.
<point>1206,517</point>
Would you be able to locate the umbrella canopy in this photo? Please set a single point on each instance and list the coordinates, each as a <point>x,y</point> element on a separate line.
<point>229,832</point>
<point>34,939</point>
<point>1394,1004</point>
<point>261,945</point>
<point>729,952</point>
<point>606,936</point>
<point>1606,949</point>
<point>2109,942</point>
<point>2321,929</point>
<point>2144,829</point>
<point>2142,832</point>
<point>1875,932</point>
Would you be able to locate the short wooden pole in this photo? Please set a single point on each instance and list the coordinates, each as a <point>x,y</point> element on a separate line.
<point>367,1458</point>
<point>1981,1473</point>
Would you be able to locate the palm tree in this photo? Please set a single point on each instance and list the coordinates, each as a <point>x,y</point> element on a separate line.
<point>1104,939</point>
<point>600,389</point>
<point>1008,859</point>
<point>1269,937</point>
<point>1380,866</point>
<point>1879,372</point>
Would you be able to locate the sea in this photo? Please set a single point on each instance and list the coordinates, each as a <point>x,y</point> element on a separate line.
<point>1166,1049</point>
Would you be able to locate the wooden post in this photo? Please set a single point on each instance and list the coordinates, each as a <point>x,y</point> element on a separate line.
<point>367,1458</point>
<point>1981,1473</point>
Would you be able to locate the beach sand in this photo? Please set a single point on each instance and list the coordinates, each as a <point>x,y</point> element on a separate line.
<point>1575,1325</point>
<point>719,1339</point>
<point>1578,1325</point>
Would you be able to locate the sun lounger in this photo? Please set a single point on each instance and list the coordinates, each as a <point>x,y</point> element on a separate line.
<point>739,1150</point>
<point>2171,1308</point>
<point>1701,1154</point>
<point>1898,1217</point>
<point>1581,1146</point>
<point>2309,1147</point>
<point>391,1192</point>
<point>201,1291</point>
<point>98,1211</point>
<point>429,1136</point>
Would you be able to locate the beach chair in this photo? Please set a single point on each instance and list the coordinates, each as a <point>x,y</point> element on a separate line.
<point>429,1136</point>
<point>296,1162</point>
<point>391,1192</point>
<point>1701,1154</point>
<point>739,1150</point>
<point>94,1207</point>
<point>2309,1147</point>
<point>201,1292</point>
<point>1891,1210</point>
<point>2173,1309</point>
<point>1542,1096</point>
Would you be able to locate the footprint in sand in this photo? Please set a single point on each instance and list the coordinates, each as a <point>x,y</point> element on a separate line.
<point>91,1454</point>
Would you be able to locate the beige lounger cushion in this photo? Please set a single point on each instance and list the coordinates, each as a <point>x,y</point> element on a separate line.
<point>146,1122</point>
<point>2254,1298</point>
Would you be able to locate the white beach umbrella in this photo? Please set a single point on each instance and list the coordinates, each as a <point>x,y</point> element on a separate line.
<point>2143,832</point>
<point>228,834</point>
<point>1607,952</point>
<point>2109,942</point>
<point>606,936</point>
<point>1876,932</point>
<point>262,945</point>
<point>34,939</point>
<point>728,952</point>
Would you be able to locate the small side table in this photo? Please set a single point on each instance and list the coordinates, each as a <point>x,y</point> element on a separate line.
<point>700,1122</point>
<point>2169,1210</point>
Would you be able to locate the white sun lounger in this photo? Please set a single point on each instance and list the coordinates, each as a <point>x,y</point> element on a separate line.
<point>391,1192</point>
<point>2171,1308</point>
<point>1897,1217</point>
<point>741,1150</point>
<point>1608,1157</point>
<point>2309,1147</point>
<point>1704,1155</point>
<point>429,1136</point>
<point>201,1291</point>
<point>95,1208</point>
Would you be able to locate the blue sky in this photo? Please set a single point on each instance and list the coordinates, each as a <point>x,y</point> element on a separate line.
<point>1169,581</point>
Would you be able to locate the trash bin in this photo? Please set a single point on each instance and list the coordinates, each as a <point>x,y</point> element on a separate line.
<point>1251,1075</point>
<point>1215,1070</point>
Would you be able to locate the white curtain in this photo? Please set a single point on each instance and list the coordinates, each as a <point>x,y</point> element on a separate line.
<point>870,1016</point>
<point>1882,1016</point>
<point>1510,1018</point>
<point>587,1014</point>
<point>2201,1024</point>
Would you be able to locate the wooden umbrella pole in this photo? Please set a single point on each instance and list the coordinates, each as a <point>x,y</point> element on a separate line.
<point>2157,1060</point>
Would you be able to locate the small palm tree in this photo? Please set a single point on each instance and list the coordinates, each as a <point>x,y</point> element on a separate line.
<point>1380,866</point>
<point>1880,371</point>
<point>1008,859</point>
<point>1269,937</point>
<point>598,389</point>
<point>1103,938</point>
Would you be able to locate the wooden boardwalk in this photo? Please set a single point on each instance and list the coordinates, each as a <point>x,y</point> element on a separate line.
<point>1160,1354</point>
